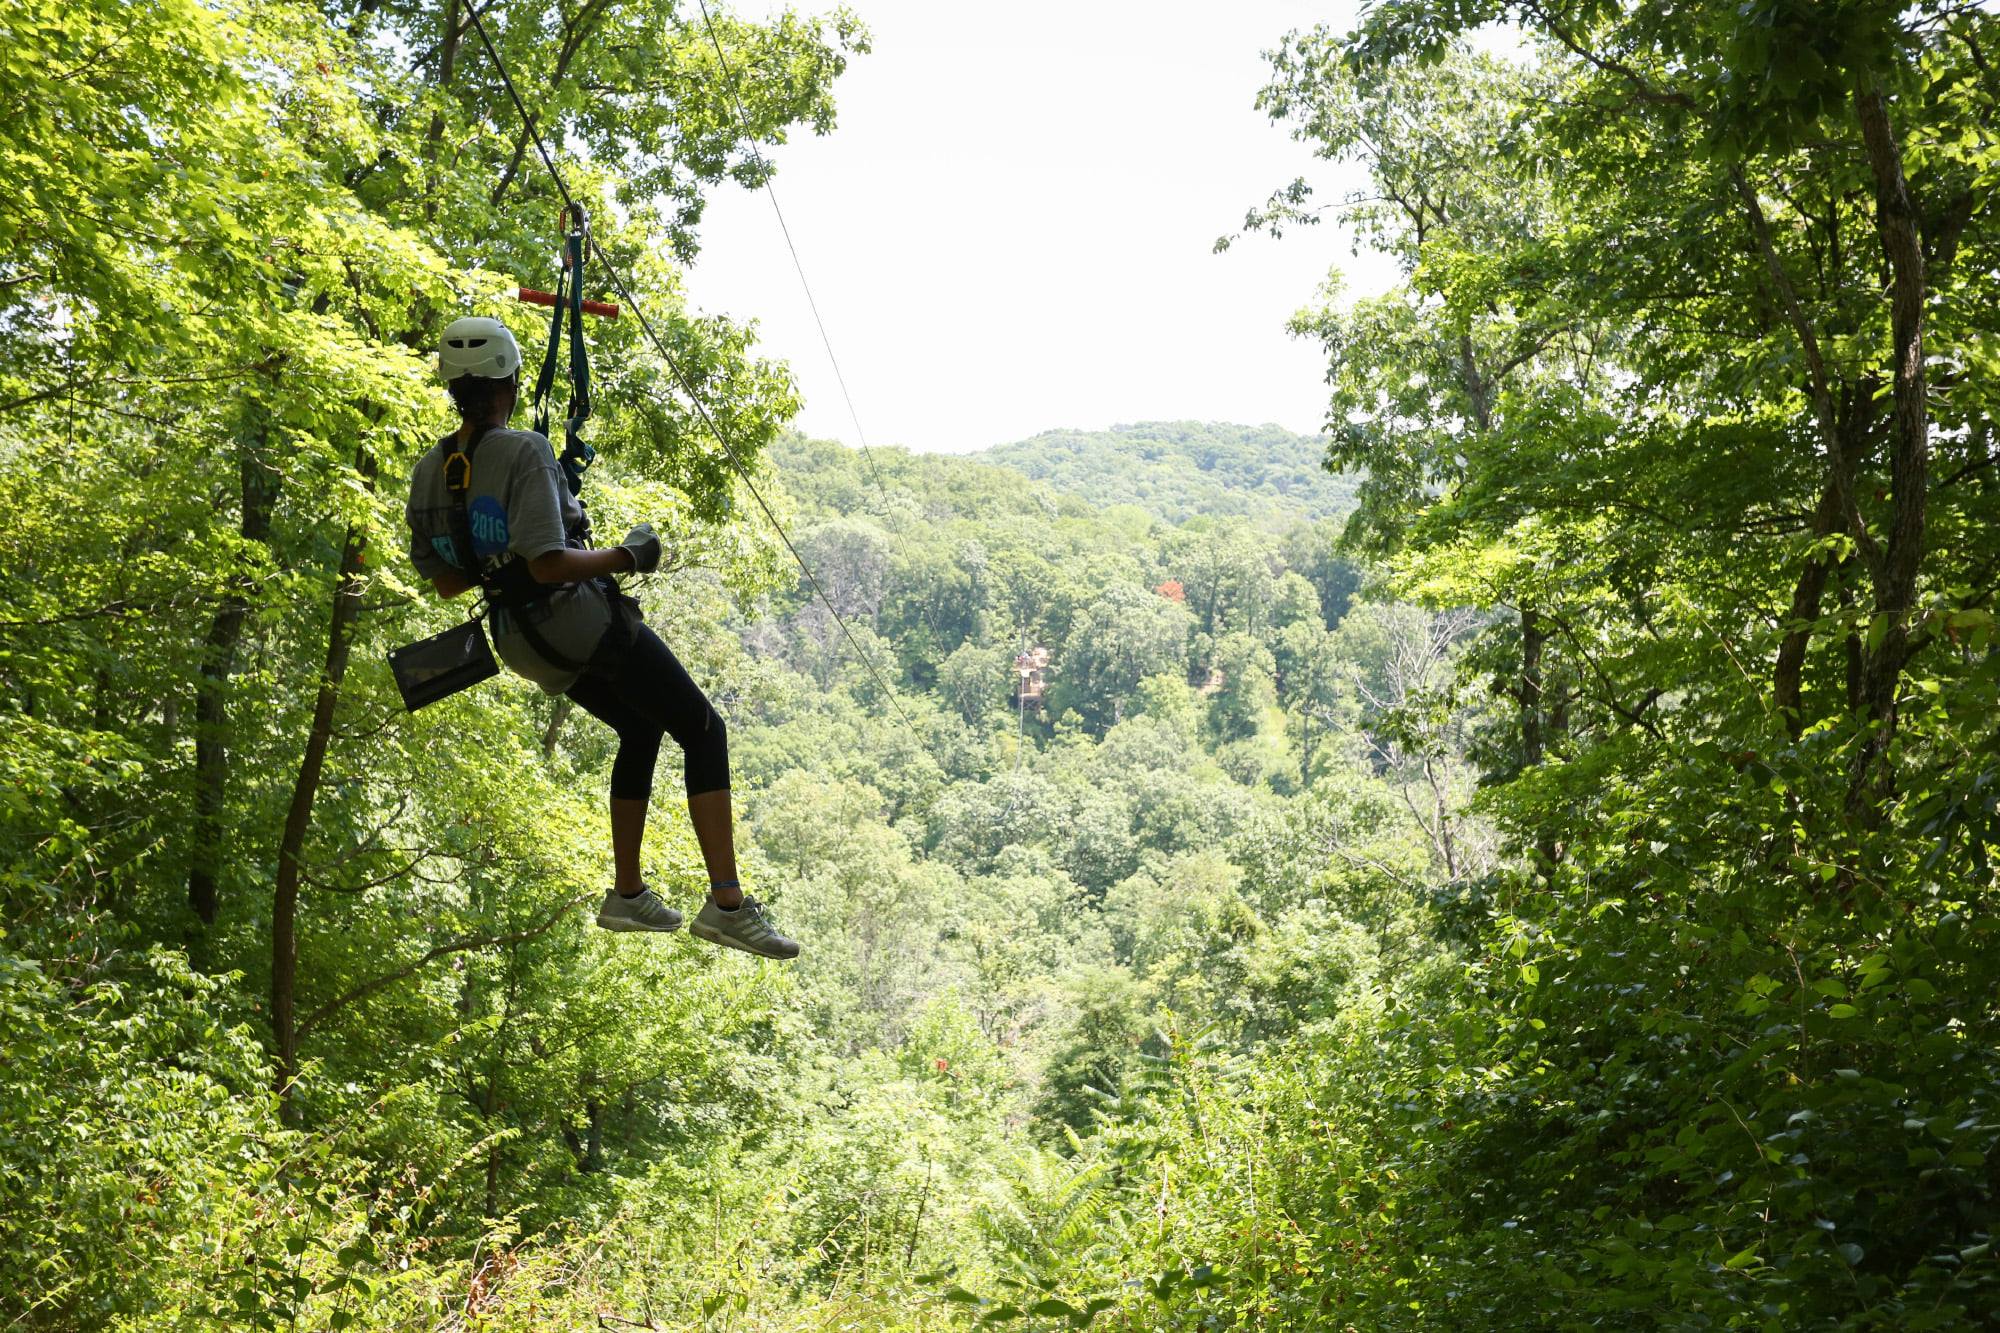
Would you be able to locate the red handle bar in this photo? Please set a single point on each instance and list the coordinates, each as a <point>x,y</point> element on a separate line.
<point>533,297</point>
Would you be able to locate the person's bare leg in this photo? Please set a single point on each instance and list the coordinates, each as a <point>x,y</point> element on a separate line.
<point>715,830</point>
<point>628,831</point>
<point>729,918</point>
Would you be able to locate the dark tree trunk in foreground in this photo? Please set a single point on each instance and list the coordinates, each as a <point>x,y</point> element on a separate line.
<point>298,820</point>
<point>1909,465</point>
<point>211,704</point>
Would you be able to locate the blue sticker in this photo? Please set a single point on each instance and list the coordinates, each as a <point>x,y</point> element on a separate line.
<point>489,526</point>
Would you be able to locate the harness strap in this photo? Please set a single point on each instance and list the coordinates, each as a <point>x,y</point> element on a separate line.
<point>576,455</point>
<point>510,587</point>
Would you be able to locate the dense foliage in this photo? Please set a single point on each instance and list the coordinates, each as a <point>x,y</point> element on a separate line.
<point>1556,894</point>
<point>1691,377</point>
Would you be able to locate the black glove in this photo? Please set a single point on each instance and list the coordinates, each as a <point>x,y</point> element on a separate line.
<point>644,544</point>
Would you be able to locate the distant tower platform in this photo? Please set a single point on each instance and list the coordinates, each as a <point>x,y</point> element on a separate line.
<point>1030,676</point>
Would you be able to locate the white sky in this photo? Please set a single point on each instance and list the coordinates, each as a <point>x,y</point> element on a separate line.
<point>1010,229</point>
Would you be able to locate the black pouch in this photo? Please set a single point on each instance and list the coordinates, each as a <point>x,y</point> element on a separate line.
<point>442,665</point>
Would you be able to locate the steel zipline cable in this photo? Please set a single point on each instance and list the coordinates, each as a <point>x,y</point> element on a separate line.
<point>798,265</point>
<point>680,375</point>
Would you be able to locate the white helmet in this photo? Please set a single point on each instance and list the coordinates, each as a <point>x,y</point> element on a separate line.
<point>480,347</point>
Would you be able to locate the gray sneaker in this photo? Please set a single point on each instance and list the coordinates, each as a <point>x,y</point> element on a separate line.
<point>645,912</point>
<point>745,928</point>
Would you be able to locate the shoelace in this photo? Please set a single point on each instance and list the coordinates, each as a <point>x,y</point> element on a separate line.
<point>753,915</point>
<point>645,904</point>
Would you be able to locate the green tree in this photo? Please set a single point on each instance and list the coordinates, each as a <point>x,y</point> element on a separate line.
<point>976,681</point>
<point>1117,640</point>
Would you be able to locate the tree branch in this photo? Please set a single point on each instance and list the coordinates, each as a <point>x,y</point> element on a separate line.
<point>1788,294</point>
<point>1634,715</point>
<point>1641,86</point>
<point>429,956</point>
<point>573,40</point>
<point>43,395</point>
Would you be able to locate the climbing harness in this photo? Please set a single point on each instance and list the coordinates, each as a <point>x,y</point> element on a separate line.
<point>459,658</point>
<point>508,586</point>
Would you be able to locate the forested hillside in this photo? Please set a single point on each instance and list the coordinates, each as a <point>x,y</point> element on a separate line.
<point>1178,469</point>
<point>1534,873</point>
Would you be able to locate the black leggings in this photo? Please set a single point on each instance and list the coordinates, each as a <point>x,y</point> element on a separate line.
<point>641,691</point>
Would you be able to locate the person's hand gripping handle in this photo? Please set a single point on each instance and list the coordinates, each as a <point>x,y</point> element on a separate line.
<point>644,545</point>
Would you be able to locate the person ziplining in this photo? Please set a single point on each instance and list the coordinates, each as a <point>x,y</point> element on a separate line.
<point>559,618</point>
<point>493,508</point>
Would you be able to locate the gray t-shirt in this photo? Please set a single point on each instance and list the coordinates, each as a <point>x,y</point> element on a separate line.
<point>517,504</point>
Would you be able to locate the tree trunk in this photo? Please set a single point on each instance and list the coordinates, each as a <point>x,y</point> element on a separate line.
<point>496,1065</point>
<point>434,136</point>
<point>1477,391</point>
<point>1534,738</point>
<point>1788,676</point>
<point>553,732</point>
<point>1856,653</point>
<point>1533,637</point>
<point>211,704</point>
<point>298,820</point>
<point>492,1179</point>
<point>1306,747</point>
<point>1441,810</point>
<point>1909,469</point>
<point>1843,428</point>
<point>1855,419</point>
